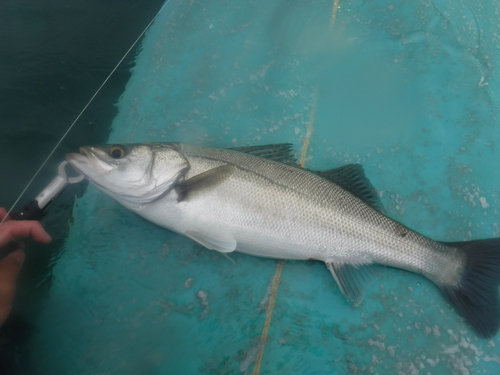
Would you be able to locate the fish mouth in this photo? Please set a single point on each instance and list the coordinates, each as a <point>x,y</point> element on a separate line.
<point>86,151</point>
<point>80,162</point>
<point>90,162</point>
<point>83,163</point>
<point>75,159</point>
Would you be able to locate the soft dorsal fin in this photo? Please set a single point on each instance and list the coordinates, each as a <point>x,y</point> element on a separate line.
<point>353,280</point>
<point>281,152</point>
<point>205,180</point>
<point>352,178</point>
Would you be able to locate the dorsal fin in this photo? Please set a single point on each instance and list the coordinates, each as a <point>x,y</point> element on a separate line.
<point>280,152</point>
<point>352,178</point>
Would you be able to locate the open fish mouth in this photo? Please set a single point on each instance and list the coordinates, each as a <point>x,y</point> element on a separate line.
<point>82,162</point>
<point>77,159</point>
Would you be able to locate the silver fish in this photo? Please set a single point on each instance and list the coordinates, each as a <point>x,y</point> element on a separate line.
<point>256,200</point>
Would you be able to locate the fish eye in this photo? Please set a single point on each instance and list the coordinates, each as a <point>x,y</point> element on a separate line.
<point>117,152</point>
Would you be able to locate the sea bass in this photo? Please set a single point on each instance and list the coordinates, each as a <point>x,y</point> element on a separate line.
<point>258,201</point>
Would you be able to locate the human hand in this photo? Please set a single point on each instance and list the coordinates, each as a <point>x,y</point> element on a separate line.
<point>11,264</point>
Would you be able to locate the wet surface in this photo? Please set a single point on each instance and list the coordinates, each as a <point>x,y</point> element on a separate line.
<point>406,90</point>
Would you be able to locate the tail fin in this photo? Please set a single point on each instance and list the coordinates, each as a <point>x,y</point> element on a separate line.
<point>477,297</point>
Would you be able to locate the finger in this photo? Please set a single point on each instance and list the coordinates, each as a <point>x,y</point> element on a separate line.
<point>13,229</point>
<point>9,269</point>
<point>3,213</point>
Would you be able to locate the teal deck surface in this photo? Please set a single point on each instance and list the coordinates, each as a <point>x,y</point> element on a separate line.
<point>408,89</point>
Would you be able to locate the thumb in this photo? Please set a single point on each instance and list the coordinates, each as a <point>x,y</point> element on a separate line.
<point>9,269</point>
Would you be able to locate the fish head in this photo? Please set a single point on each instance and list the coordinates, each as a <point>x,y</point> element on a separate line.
<point>132,174</point>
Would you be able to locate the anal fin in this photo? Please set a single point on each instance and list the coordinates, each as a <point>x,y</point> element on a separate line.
<point>353,280</point>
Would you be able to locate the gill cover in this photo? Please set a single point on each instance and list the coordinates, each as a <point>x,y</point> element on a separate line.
<point>132,174</point>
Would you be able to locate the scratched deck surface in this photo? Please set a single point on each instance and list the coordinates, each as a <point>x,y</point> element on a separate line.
<point>411,91</point>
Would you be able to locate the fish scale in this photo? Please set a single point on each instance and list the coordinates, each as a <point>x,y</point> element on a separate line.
<point>256,201</point>
<point>342,227</point>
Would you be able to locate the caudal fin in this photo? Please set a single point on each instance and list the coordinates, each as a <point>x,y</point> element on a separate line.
<point>476,296</point>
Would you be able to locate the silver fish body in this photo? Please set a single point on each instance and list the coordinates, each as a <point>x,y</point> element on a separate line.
<point>275,210</point>
<point>236,201</point>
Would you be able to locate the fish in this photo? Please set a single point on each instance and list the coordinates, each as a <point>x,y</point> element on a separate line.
<point>257,200</point>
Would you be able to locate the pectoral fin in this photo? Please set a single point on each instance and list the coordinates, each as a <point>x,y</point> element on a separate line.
<point>213,240</point>
<point>354,280</point>
<point>205,180</point>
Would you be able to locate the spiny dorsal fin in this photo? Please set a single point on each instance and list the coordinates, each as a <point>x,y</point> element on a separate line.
<point>205,180</point>
<point>353,280</point>
<point>281,152</point>
<point>352,178</point>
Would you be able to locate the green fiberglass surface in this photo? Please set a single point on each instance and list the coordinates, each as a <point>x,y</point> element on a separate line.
<point>407,89</point>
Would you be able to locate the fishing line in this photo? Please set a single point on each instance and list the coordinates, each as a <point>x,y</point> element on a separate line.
<point>83,110</point>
